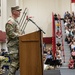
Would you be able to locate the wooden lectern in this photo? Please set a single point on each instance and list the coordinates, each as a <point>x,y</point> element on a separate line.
<point>30,52</point>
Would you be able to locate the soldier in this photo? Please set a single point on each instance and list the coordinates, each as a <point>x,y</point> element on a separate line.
<point>12,33</point>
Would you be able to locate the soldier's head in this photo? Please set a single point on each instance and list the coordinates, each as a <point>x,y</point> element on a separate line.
<point>15,11</point>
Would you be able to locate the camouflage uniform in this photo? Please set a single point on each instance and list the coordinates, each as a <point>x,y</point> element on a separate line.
<point>12,33</point>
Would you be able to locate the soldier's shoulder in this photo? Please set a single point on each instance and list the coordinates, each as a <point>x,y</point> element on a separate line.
<point>9,22</point>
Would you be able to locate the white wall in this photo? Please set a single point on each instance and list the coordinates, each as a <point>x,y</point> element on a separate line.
<point>5,13</point>
<point>42,12</point>
<point>10,3</point>
<point>73,7</point>
<point>0,14</point>
<point>65,6</point>
<point>40,9</point>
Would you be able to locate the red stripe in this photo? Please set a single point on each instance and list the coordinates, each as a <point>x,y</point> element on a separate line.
<point>47,40</point>
<point>72,1</point>
<point>53,36</point>
<point>2,36</point>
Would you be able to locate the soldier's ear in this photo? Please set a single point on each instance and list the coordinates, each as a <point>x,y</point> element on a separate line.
<point>13,11</point>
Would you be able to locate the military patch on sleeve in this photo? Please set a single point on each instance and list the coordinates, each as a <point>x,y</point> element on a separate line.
<point>9,22</point>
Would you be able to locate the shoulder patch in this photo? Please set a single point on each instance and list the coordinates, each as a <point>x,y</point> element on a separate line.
<point>9,22</point>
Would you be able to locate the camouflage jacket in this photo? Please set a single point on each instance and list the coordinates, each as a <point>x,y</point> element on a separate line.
<point>12,32</point>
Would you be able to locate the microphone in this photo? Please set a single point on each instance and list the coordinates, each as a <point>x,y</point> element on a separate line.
<point>27,18</point>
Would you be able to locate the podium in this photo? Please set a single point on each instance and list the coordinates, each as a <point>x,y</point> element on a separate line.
<point>30,54</point>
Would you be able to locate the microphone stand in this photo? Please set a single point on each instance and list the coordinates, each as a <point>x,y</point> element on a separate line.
<point>36,25</point>
<point>23,15</point>
<point>25,24</point>
<point>22,18</point>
